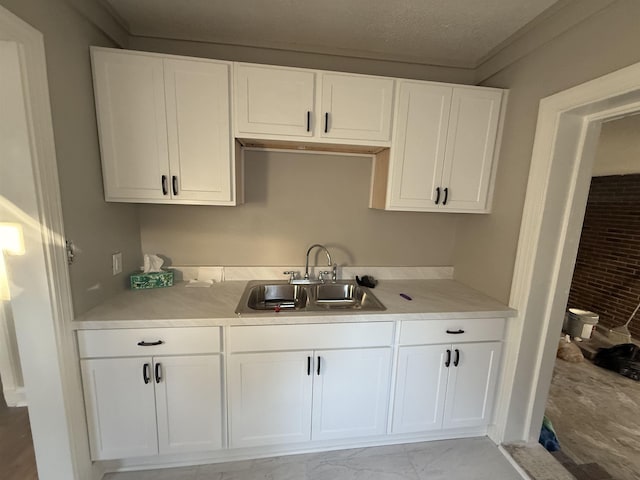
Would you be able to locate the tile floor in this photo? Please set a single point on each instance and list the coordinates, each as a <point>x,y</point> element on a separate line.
<point>596,414</point>
<point>466,459</point>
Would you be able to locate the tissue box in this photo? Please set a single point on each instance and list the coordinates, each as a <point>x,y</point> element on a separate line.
<point>140,281</point>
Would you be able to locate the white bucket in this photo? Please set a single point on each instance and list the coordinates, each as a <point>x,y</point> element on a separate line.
<point>580,323</point>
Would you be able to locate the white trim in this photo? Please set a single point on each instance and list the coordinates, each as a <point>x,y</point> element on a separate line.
<point>270,451</point>
<point>563,151</point>
<point>64,369</point>
<point>15,397</point>
<point>10,370</point>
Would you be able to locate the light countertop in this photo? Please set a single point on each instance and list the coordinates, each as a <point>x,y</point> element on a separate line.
<point>215,306</point>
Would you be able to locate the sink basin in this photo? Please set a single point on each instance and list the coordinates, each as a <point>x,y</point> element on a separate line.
<point>282,296</point>
<point>276,296</point>
<point>345,295</point>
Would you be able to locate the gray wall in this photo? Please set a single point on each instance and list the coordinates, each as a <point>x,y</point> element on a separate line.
<point>486,245</point>
<point>618,150</point>
<point>98,229</point>
<point>292,201</point>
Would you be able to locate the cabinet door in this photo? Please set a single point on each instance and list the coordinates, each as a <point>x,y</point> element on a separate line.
<point>130,108</point>
<point>269,398</point>
<point>350,393</point>
<point>189,403</point>
<point>274,100</point>
<point>470,147</point>
<point>120,407</point>
<point>421,385</point>
<point>472,384</point>
<point>356,107</point>
<point>200,154</point>
<point>418,148</point>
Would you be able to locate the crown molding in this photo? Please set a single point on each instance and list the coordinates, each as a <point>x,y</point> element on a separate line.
<point>103,17</point>
<point>558,19</point>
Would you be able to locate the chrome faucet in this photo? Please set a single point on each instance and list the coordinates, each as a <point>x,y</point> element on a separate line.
<point>306,266</point>
<point>322,276</point>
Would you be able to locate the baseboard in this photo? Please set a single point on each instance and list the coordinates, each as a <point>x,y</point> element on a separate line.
<point>15,397</point>
<point>250,453</point>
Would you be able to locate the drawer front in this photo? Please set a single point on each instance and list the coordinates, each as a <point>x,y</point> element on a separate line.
<point>423,332</point>
<point>124,342</point>
<point>308,337</point>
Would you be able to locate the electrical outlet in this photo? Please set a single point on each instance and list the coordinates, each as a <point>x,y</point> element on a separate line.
<point>116,262</point>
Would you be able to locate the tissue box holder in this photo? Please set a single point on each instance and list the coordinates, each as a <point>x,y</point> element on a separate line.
<point>141,281</point>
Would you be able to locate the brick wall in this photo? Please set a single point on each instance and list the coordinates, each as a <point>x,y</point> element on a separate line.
<point>606,279</point>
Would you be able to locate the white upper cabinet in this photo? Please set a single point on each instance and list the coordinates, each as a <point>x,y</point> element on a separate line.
<point>274,100</point>
<point>442,154</point>
<point>471,141</point>
<point>130,107</point>
<point>418,150</point>
<point>199,131</point>
<point>293,104</point>
<point>165,131</point>
<point>356,107</point>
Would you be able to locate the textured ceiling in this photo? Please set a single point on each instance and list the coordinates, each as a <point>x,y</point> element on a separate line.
<point>440,32</point>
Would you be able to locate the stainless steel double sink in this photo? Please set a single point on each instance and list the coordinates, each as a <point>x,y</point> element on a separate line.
<point>282,296</point>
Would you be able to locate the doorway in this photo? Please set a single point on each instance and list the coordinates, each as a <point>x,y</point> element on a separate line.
<point>595,412</point>
<point>36,283</point>
<point>567,132</point>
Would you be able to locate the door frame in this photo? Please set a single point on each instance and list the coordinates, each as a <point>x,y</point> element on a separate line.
<point>567,133</point>
<point>43,312</point>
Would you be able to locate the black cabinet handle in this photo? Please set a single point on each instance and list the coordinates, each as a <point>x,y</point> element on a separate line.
<point>446,195</point>
<point>164,185</point>
<point>318,365</point>
<point>150,344</point>
<point>308,121</point>
<point>326,122</point>
<point>455,332</point>
<point>145,373</point>
<point>457,360</point>
<point>158,372</point>
<point>174,184</point>
<point>437,195</point>
<point>308,365</point>
<point>448,361</point>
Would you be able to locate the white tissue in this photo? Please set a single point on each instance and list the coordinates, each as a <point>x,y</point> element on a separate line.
<point>152,263</point>
<point>210,274</point>
<point>206,277</point>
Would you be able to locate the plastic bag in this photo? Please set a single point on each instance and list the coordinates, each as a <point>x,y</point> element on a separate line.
<point>568,351</point>
<point>548,437</point>
<point>624,359</point>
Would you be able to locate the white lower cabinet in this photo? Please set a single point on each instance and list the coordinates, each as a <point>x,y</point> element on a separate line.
<point>299,383</point>
<point>445,386</point>
<point>350,393</point>
<point>159,391</point>
<point>120,407</point>
<point>269,398</point>
<point>292,397</point>
<point>189,404</point>
<point>148,405</point>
